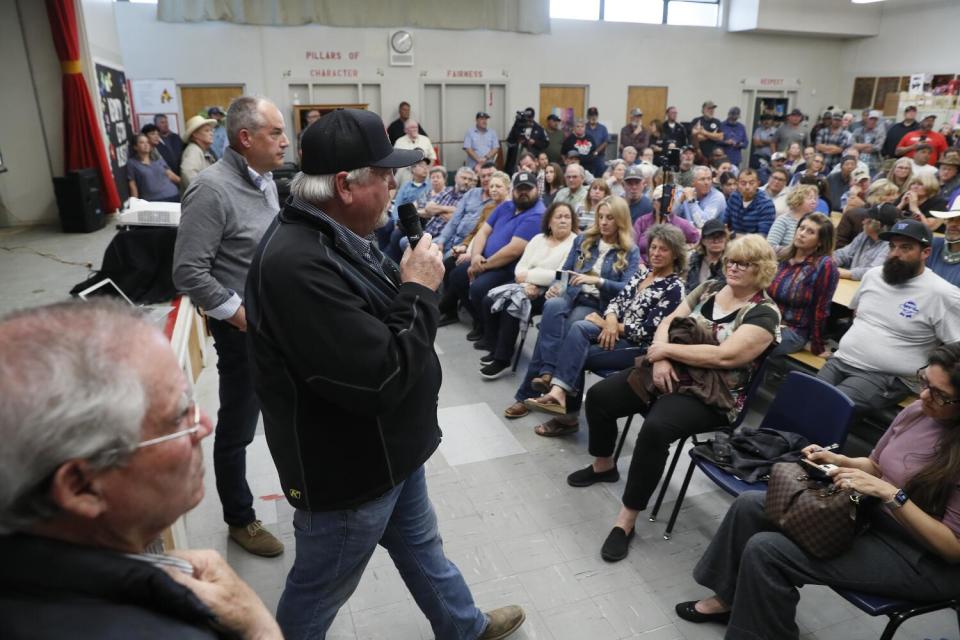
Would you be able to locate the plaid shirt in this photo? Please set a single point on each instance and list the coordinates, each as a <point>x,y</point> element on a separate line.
<point>803,291</point>
<point>842,138</point>
<point>449,197</point>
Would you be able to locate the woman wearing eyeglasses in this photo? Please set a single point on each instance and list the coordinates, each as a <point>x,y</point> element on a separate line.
<point>736,322</point>
<point>912,548</point>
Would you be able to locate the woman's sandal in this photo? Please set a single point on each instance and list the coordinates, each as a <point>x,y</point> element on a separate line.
<point>547,404</point>
<point>553,428</point>
<point>516,410</point>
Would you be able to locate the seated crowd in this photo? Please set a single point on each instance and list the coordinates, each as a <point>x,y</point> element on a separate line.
<point>677,285</point>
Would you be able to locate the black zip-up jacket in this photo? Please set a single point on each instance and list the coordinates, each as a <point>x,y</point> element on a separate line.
<point>343,364</point>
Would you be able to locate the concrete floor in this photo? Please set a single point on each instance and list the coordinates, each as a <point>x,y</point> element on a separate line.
<point>518,533</point>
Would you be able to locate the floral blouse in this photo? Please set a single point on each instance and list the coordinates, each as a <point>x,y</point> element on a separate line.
<point>641,310</point>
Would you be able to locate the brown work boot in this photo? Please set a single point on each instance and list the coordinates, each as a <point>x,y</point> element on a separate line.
<point>257,540</point>
<point>502,622</point>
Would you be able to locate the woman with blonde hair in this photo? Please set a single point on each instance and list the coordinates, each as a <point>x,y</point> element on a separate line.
<point>921,197</point>
<point>600,263</point>
<point>724,327</point>
<point>900,173</point>
<point>802,200</point>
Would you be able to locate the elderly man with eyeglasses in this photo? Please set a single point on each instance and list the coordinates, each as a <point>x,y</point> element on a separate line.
<point>101,453</point>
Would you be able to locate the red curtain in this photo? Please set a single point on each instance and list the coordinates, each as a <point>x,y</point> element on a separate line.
<point>82,138</point>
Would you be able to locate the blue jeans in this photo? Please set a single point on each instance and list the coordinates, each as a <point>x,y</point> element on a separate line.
<point>581,352</point>
<point>333,548</point>
<point>236,423</point>
<point>473,293</point>
<point>559,314</point>
<point>790,342</point>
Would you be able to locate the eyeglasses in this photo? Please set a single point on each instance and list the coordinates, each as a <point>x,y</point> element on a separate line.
<point>740,266</point>
<point>194,409</point>
<point>939,397</point>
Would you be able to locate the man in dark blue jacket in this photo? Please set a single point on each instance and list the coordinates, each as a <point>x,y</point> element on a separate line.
<point>344,366</point>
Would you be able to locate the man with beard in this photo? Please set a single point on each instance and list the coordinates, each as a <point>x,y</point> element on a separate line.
<point>342,344</point>
<point>903,311</point>
<point>498,246</point>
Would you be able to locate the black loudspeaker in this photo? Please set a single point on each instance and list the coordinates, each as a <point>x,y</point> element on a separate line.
<point>78,198</point>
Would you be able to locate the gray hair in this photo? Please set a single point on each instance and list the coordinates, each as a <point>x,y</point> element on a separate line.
<point>321,188</point>
<point>700,169</point>
<point>671,236</point>
<point>466,171</point>
<point>438,169</point>
<point>69,389</point>
<point>576,167</point>
<point>244,113</point>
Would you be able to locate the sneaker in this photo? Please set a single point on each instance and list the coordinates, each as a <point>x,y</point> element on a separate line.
<point>487,359</point>
<point>503,622</point>
<point>496,369</point>
<point>257,540</point>
<point>475,334</point>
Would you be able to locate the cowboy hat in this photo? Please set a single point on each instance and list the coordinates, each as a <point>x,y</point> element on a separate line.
<point>952,213</point>
<point>195,123</point>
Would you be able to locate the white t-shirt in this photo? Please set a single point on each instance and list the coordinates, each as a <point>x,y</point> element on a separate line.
<point>925,170</point>
<point>602,250</point>
<point>896,327</point>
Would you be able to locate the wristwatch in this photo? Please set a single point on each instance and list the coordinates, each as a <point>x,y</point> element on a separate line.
<point>899,499</point>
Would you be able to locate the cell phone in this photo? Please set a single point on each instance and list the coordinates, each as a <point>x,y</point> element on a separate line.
<point>817,471</point>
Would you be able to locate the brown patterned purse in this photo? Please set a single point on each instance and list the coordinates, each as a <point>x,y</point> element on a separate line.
<point>820,518</point>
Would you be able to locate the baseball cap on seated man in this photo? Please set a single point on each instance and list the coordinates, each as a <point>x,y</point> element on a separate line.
<point>910,228</point>
<point>348,139</point>
<point>525,178</point>
<point>633,173</point>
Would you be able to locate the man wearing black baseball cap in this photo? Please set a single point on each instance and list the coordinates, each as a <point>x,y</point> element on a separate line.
<point>342,343</point>
<point>481,143</point>
<point>903,311</point>
<point>497,247</point>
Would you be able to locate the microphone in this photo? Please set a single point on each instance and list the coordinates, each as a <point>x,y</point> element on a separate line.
<point>410,223</point>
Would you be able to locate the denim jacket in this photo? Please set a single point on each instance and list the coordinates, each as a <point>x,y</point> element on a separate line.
<point>613,281</point>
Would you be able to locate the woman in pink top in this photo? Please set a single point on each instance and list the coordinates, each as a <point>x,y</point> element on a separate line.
<point>911,550</point>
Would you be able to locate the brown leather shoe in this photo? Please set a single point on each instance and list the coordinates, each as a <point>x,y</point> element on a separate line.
<point>542,384</point>
<point>257,540</point>
<point>516,410</point>
<point>503,622</point>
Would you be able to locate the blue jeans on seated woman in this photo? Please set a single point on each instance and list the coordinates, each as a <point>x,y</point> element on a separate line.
<point>581,352</point>
<point>333,548</point>
<point>791,341</point>
<point>559,315</point>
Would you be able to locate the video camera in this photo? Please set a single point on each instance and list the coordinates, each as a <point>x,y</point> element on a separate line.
<point>669,160</point>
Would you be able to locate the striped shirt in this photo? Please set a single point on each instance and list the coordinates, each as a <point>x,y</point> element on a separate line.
<point>758,217</point>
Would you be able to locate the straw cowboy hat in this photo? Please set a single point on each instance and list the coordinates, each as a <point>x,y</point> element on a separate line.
<point>195,123</point>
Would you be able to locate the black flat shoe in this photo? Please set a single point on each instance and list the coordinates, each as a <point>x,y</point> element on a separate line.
<point>688,611</point>
<point>475,334</point>
<point>617,544</point>
<point>587,477</point>
<point>448,319</point>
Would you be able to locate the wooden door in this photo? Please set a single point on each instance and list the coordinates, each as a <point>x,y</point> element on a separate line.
<point>651,100</point>
<point>195,100</point>
<point>568,102</point>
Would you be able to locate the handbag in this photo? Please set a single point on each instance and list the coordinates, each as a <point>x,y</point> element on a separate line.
<point>819,517</point>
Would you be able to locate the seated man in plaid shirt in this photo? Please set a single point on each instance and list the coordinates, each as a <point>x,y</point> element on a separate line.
<point>439,209</point>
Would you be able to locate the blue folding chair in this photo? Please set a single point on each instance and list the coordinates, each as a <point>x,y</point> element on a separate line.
<point>899,611</point>
<point>805,405</point>
<point>755,383</point>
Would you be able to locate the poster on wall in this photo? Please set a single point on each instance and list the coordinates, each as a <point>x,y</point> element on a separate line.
<point>154,97</point>
<point>117,116</point>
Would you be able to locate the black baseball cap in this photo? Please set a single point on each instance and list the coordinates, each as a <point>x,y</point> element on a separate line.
<point>910,228</point>
<point>553,116</point>
<point>215,111</point>
<point>348,139</point>
<point>886,214</point>
<point>796,112</point>
<point>712,226</point>
<point>592,111</point>
<point>483,114</point>
<point>525,177</point>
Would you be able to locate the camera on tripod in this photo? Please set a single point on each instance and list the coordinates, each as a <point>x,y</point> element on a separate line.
<point>669,160</point>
